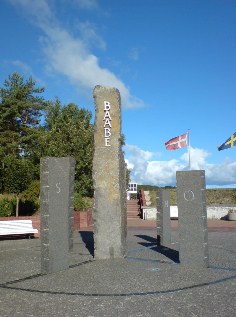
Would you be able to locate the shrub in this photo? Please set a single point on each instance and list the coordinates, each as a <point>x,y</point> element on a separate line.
<point>82,203</point>
<point>7,205</point>
<point>29,199</point>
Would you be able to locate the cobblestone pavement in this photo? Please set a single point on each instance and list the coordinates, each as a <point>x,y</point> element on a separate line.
<point>150,281</point>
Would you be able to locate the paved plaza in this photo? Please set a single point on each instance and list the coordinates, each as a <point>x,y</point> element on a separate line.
<point>150,281</point>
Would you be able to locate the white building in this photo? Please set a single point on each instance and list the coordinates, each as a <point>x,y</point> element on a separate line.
<point>132,189</point>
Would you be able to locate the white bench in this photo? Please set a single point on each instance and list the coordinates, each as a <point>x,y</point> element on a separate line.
<point>17,227</point>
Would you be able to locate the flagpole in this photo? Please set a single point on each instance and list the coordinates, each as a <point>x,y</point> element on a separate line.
<point>189,161</point>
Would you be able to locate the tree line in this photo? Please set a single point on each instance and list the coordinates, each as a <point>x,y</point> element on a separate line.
<point>32,127</point>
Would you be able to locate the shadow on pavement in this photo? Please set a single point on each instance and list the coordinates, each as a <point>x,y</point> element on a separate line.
<point>151,243</point>
<point>87,238</point>
<point>17,237</point>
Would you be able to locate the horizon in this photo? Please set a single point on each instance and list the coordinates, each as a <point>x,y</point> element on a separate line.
<point>169,186</point>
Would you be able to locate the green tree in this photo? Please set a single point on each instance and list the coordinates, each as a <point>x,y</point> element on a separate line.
<point>21,108</point>
<point>17,176</point>
<point>70,133</point>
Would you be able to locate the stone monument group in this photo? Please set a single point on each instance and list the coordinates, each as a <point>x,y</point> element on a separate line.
<point>110,212</point>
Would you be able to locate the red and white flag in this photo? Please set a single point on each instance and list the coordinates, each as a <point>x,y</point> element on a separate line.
<point>177,142</point>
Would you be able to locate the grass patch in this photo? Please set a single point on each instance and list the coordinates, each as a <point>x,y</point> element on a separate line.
<point>218,196</point>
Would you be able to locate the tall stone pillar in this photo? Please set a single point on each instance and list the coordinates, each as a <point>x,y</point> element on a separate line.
<point>109,213</point>
<point>163,218</point>
<point>193,235</point>
<point>57,212</point>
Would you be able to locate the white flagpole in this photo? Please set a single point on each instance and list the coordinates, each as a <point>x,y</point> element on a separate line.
<point>189,161</point>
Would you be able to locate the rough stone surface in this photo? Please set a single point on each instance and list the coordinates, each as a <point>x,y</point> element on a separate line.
<point>163,218</point>
<point>57,212</point>
<point>191,200</point>
<point>109,213</point>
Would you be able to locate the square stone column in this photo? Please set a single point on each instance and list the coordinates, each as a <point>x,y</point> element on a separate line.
<point>57,212</point>
<point>193,234</point>
<point>109,213</point>
<point>163,218</point>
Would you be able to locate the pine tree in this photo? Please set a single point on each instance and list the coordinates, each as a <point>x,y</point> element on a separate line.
<point>21,108</point>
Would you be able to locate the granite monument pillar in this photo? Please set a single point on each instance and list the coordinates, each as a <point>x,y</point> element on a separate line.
<point>109,213</point>
<point>163,218</point>
<point>57,212</point>
<point>193,234</point>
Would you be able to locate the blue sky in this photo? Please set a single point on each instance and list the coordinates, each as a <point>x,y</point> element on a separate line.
<point>174,62</point>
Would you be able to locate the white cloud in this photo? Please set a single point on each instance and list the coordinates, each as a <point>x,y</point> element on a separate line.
<point>130,166</point>
<point>38,10</point>
<point>197,158</point>
<point>146,170</point>
<point>224,173</point>
<point>90,36</point>
<point>71,56</point>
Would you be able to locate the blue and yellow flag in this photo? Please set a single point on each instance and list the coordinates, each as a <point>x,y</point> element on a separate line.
<point>228,143</point>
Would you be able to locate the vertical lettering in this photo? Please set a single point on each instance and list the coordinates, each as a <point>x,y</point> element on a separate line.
<point>107,132</point>
<point>107,140</point>
<point>107,123</point>
<point>58,188</point>
<point>107,105</point>
<point>107,115</point>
